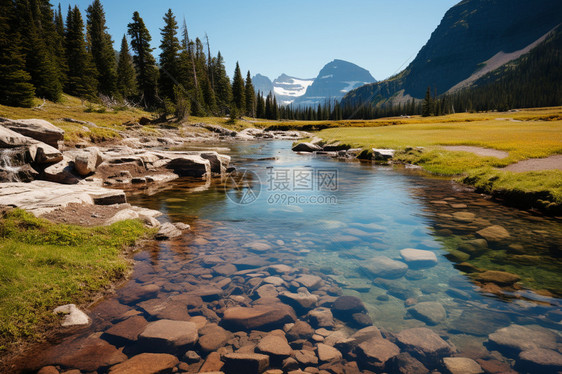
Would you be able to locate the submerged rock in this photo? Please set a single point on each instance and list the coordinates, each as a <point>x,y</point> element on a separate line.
<point>520,338</point>
<point>376,352</point>
<point>247,363</point>
<point>274,345</point>
<point>168,231</point>
<point>260,317</point>
<point>146,363</point>
<point>430,312</point>
<point>501,278</point>
<point>306,147</point>
<point>462,365</point>
<point>541,360</point>
<point>384,267</point>
<point>418,257</point>
<point>494,233</point>
<point>424,344</point>
<point>168,334</point>
<point>345,306</point>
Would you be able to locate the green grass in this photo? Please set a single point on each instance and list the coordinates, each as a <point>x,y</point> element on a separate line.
<point>43,265</point>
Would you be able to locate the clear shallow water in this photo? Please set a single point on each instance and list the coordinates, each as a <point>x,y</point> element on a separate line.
<point>332,232</point>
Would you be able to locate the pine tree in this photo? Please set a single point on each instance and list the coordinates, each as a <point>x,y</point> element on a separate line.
<point>223,90</point>
<point>59,46</point>
<point>260,106</point>
<point>15,86</point>
<point>169,57</point>
<point>101,48</point>
<point>126,76</point>
<point>427,107</point>
<point>147,73</point>
<point>82,73</point>
<point>40,63</point>
<point>238,94</point>
<point>250,97</point>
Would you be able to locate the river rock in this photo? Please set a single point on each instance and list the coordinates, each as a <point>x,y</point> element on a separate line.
<point>218,163</point>
<point>321,317</point>
<point>258,246</point>
<point>86,161</point>
<point>418,257</point>
<point>190,166</point>
<point>167,333</point>
<point>367,333</point>
<point>312,282</point>
<point>259,317</point>
<point>37,129</point>
<point>345,306</point>
<point>465,217</point>
<point>48,370</point>
<point>301,301</point>
<point>61,172</point>
<point>212,364</point>
<point>382,154</point>
<point>384,267</point>
<point>423,344</point>
<point>247,363</point>
<point>306,357</point>
<point>276,281</point>
<point>134,291</point>
<point>306,147</point>
<point>126,331</point>
<point>462,365</point>
<point>168,231</point>
<point>274,345</point>
<point>520,338</point>
<point>376,352</point>
<point>88,354</point>
<point>213,337</point>
<point>430,312</point>
<point>44,154</point>
<point>73,316</point>
<point>327,353</point>
<point>541,360</point>
<point>404,363</point>
<point>501,278</point>
<point>494,233</point>
<point>146,363</point>
<point>267,291</point>
<point>300,330</point>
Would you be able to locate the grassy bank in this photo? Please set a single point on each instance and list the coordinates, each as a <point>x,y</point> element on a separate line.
<point>524,134</point>
<point>43,265</point>
<point>107,121</point>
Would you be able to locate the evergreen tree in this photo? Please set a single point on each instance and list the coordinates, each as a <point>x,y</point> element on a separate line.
<point>126,76</point>
<point>40,62</point>
<point>145,65</point>
<point>169,57</point>
<point>223,90</point>
<point>427,107</point>
<point>250,97</point>
<point>101,48</point>
<point>59,47</point>
<point>238,94</point>
<point>260,106</point>
<point>15,86</point>
<point>82,73</point>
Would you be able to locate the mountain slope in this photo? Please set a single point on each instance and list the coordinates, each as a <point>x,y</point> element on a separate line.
<point>287,89</point>
<point>334,80</point>
<point>471,33</point>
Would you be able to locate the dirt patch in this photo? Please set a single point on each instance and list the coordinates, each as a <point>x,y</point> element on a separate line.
<point>536,164</point>
<point>480,151</point>
<point>84,215</point>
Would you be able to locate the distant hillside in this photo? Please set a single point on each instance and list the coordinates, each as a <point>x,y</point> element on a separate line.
<point>334,80</point>
<point>474,38</point>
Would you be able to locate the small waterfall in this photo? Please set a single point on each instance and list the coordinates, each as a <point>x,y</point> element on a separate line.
<point>11,162</point>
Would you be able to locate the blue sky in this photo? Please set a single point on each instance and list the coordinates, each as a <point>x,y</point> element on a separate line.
<point>293,37</point>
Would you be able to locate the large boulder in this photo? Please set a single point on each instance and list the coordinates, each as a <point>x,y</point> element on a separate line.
<point>384,267</point>
<point>12,139</point>
<point>39,152</point>
<point>61,172</point>
<point>190,166</point>
<point>219,163</point>
<point>86,161</point>
<point>37,129</point>
<point>260,317</point>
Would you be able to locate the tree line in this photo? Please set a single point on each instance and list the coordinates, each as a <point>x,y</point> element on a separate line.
<point>44,53</point>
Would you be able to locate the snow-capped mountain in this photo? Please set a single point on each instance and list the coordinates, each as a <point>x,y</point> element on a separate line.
<point>286,88</point>
<point>334,80</point>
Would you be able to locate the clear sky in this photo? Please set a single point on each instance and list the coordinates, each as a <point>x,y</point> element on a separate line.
<point>293,37</point>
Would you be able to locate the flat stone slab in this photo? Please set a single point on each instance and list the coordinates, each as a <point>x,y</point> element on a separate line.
<point>377,351</point>
<point>247,363</point>
<point>430,312</point>
<point>462,365</point>
<point>522,338</point>
<point>424,343</point>
<point>384,267</point>
<point>41,197</point>
<point>260,317</point>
